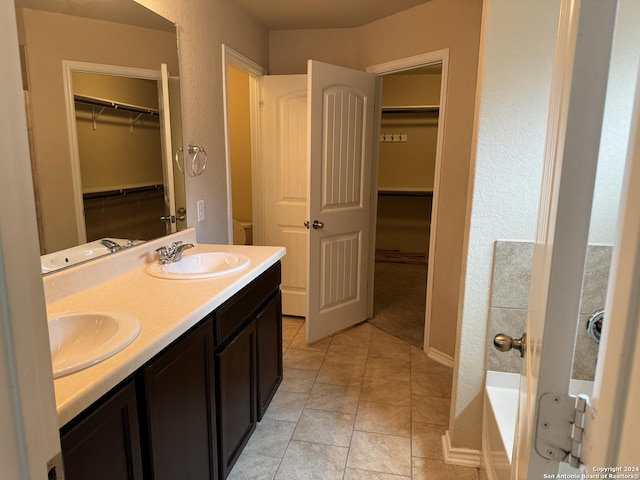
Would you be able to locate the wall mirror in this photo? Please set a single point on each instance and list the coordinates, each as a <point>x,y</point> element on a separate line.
<point>102,97</point>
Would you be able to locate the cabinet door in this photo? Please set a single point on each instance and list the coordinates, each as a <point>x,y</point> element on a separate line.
<point>269,351</point>
<point>106,443</point>
<point>180,404</point>
<point>236,389</point>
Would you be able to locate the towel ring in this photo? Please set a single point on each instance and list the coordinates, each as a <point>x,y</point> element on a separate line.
<point>177,160</point>
<point>197,166</point>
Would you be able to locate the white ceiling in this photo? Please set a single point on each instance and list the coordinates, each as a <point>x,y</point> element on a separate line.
<point>312,14</point>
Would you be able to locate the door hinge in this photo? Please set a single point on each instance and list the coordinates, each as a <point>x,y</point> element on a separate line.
<point>560,426</point>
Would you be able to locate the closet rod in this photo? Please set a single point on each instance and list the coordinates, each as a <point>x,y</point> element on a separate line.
<point>101,102</point>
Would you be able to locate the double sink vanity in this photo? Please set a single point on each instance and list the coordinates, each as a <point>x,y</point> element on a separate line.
<point>163,371</point>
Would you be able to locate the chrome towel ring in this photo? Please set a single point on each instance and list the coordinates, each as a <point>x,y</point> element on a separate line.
<point>198,161</point>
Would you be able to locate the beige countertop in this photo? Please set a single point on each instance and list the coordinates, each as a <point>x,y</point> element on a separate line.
<point>166,309</point>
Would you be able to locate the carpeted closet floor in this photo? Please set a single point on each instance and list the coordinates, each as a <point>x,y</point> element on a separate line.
<point>399,300</point>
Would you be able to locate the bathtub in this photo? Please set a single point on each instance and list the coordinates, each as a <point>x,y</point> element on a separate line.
<point>499,422</point>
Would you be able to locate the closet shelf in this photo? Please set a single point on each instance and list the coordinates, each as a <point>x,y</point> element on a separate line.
<point>410,108</point>
<point>113,192</point>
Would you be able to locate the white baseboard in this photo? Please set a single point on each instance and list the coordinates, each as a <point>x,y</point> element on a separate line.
<point>440,357</point>
<point>459,456</point>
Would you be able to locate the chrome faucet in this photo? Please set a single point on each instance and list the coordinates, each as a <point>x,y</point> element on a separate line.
<point>172,253</point>
<point>114,247</point>
<point>111,245</point>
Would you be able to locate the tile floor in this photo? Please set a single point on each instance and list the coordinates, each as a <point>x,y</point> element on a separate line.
<point>360,405</point>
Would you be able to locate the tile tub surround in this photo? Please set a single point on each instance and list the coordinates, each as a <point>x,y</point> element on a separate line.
<point>339,414</point>
<point>166,309</point>
<point>510,295</point>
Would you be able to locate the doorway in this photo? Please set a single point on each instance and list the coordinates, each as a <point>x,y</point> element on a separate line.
<point>437,63</point>
<point>406,170</point>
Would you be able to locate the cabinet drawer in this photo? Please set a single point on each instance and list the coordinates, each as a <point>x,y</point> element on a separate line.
<point>232,314</point>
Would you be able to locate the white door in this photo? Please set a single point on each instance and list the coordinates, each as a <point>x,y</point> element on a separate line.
<point>284,166</point>
<point>167,150</point>
<point>573,137</point>
<point>341,114</point>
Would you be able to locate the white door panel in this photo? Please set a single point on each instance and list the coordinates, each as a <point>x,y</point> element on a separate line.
<point>341,109</point>
<point>573,138</point>
<point>284,150</point>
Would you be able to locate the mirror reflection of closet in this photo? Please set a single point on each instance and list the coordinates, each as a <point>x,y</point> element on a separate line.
<point>117,32</point>
<point>118,132</point>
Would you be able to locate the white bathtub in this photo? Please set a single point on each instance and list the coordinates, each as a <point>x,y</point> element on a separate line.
<point>499,422</point>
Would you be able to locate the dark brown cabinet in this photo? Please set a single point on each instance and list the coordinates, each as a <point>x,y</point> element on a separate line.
<point>190,410</point>
<point>248,362</point>
<point>179,399</point>
<point>105,442</point>
<point>269,351</point>
<point>237,413</point>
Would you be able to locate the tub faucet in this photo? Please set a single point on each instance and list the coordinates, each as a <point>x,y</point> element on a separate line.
<point>172,253</point>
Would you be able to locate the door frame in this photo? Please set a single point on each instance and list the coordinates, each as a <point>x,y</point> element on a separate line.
<point>255,71</point>
<point>69,67</point>
<point>395,66</point>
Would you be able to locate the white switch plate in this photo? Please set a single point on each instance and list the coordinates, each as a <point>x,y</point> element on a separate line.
<point>200,210</point>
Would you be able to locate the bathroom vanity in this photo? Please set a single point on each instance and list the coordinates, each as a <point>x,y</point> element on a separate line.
<point>183,399</point>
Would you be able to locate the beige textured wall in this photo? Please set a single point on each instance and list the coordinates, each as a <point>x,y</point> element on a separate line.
<point>203,26</point>
<point>240,143</point>
<point>80,40</point>
<point>432,26</point>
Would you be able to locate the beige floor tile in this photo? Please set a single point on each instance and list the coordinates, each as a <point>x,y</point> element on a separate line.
<point>387,346</point>
<point>352,474</point>
<point>297,380</point>
<point>386,390</point>
<point>340,374</point>
<point>330,428</point>
<point>286,406</point>
<point>254,467</point>
<point>358,336</point>
<point>432,385</point>
<point>270,438</point>
<point>427,469</point>
<point>290,327</point>
<point>434,410</point>
<point>305,460</point>
<point>300,342</point>
<point>384,418</point>
<point>334,398</point>
<point>392,368</point>
<point>426,440</point>
<point>303,359</point>
<point>380,453</point>
<point>347,354</point>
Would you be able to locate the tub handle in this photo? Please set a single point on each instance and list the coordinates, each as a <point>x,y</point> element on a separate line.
<point>504,343</point>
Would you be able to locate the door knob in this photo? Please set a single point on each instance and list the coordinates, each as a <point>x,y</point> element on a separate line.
<point>182,214</point>
<point>317,225</point>
<point>504,343</point>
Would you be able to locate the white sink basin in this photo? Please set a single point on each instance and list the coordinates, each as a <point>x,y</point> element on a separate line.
<point>81,339</point>
<point>201,265</point>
